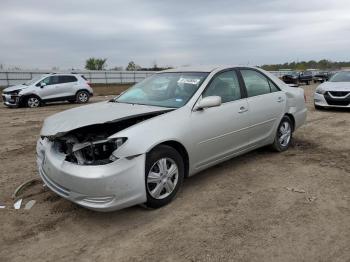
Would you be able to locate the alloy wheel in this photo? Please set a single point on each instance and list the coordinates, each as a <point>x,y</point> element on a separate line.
<point>33,102</point>
<point>285,132</point>
<point>162,178</point>
<point>83,97</point>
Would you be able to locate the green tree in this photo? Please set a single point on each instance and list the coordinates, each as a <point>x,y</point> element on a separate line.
<point>132,66</point>
<point>96,63</point>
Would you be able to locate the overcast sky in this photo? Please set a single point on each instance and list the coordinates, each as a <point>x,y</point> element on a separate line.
<point>64,33</point>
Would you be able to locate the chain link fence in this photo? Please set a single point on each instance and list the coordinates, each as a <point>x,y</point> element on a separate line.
<point>9,78</point>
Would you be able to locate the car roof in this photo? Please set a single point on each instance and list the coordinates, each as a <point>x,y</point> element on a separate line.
<point>72,74</point>
<point>207,69</point>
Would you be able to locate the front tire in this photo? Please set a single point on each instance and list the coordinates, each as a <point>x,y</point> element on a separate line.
<point>82,97</point>
<point>164,175</point>
<point>33,102</point>
<point>284,135</point>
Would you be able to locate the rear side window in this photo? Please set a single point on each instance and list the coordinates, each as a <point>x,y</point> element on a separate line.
<point>84,77</point>
<point>67,79</point>
<point>255,82</point>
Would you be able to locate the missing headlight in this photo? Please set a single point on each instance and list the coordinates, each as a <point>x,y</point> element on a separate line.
<point>97,152</point>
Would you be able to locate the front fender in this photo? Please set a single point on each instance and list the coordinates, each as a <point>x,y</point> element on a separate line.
<point>143,137</point>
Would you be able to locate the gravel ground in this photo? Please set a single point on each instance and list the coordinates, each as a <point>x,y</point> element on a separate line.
<point>244,209</point>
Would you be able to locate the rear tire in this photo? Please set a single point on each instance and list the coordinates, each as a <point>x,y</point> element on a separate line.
<point>82,97</point>
<point>164,175</point>
<point>33,102</point>
<point>283,135</point>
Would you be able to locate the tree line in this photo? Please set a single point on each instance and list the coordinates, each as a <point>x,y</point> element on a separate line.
<point>323,64</point>
<point>101,64</point>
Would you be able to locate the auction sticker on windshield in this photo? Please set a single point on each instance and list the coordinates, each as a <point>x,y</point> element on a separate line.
<point>192,81</point>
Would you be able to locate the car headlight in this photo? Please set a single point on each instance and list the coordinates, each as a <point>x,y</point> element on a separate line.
<point>16,92</point>
<point>98,152</point>
<point>118,142</point>
<point>320,91</point>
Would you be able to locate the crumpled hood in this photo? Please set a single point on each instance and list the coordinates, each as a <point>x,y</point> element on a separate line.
<point>13,88</point>
<point>98,113</point>
<point>335,86</point>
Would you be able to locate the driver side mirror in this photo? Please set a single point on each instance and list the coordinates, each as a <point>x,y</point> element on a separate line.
<point>42,84</point>
<point>207,102</point>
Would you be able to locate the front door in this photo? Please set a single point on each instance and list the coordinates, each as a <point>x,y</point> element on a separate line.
<point>48,91</point>
<point>220,132</point>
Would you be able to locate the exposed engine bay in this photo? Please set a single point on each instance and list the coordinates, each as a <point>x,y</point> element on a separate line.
<point>90,145</point>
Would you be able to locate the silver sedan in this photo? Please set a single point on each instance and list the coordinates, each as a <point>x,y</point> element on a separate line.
<point>140,146</point>
<point>334,93</point>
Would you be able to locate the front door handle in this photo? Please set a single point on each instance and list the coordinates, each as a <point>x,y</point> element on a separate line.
<point>242,109</point>
<point>280,100</point>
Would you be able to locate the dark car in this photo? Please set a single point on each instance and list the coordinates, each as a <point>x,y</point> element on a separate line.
<point>291,77</point>
<point>297,78</point>
<point>322,77</point>
<point>306,77</point>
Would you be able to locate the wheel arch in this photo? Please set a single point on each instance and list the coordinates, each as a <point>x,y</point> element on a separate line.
<point>291,117</point>
<point>24,98</point>
<point>82,89</point>
<point>179,148</point>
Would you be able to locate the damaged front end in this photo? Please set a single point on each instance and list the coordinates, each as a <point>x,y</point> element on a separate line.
<point>95,150</point>
<point>92,145</point>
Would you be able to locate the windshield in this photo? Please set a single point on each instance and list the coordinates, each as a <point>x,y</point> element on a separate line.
<point>33,80</point>
<point>293,73</point>
<point>307,73</point>
<point>164,89</point>
<point>340,77</point>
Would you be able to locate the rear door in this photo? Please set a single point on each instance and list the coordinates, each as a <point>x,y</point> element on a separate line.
<point>219,132</point>
<point>65,87</point>
<point>266,104</point>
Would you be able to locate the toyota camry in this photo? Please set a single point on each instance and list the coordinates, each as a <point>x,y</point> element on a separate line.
<point>140,146</point>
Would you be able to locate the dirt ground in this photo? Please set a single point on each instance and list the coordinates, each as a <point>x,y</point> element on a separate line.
<point>242,210</point>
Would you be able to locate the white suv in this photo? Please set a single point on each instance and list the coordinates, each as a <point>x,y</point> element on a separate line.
<point>48,88</point>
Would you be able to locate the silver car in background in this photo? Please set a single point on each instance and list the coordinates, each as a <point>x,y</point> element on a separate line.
<point>48,88</point>
<point>334,93</point>
<point>139,147</point>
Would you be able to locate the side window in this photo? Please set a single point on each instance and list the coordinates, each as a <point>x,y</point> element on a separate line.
<point>226,86</point>
<point>45,80</point>
<point>273,87</point>
<point>50,80</point>
<point>67,79</point>
<point>54,80</point>
<point>255,82</point>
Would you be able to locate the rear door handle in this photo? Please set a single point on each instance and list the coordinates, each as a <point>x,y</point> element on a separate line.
<point>242,109</point>
<point>280,100</point>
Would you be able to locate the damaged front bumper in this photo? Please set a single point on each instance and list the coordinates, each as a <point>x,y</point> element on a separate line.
<point>11,100</point>
<point>109,187</point>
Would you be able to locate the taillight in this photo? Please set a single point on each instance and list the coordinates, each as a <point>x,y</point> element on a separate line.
<point>88,83</point>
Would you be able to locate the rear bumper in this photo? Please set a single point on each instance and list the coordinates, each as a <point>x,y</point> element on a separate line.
<point>300,117</point>
<point>108,187</point>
